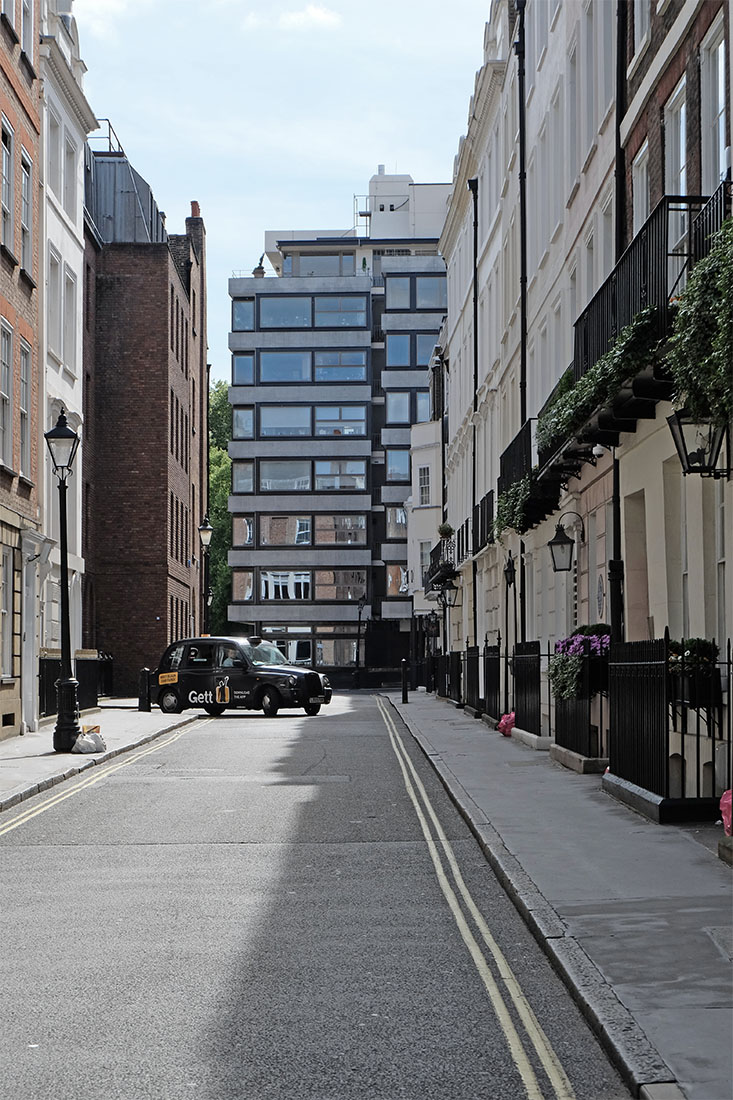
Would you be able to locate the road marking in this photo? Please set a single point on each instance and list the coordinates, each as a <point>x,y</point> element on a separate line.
<point>556,1074</point>
<point>103,772</point>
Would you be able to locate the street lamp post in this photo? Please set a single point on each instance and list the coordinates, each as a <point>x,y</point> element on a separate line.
<point>205,533</point>
<point>510,573</point>
<point>360,611</point>
<point>63,443</point>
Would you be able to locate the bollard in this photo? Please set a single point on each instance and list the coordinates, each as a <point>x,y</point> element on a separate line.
<point>404,680</point>
<point>143,698</point>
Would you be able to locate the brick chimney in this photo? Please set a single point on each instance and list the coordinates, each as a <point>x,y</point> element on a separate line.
<point>195,209</point>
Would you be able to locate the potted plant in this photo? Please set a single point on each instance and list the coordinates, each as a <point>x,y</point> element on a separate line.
<point>445,531</point>
<point>585,650</point>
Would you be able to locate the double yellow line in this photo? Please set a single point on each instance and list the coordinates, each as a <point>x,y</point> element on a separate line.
<point>99,774</point>
<point>490,952</point>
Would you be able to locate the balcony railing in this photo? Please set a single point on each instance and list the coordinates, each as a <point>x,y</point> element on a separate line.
<point>516,461</point>
<point>483,522</point>
<point>442,564</point>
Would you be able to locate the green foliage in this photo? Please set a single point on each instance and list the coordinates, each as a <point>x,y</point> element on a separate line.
<point>565,674</point>
<point>445,531</point>
<point>220,416</point>
<point>632,353</point>
<point>220,574</point>
<point>510,508</point>
<point>698,655</point>
<point>700,354</point>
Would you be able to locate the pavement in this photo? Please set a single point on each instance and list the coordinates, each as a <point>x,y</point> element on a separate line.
<point>637,918</point>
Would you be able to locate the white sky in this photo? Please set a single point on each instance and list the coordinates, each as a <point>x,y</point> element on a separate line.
<point>273,114</point>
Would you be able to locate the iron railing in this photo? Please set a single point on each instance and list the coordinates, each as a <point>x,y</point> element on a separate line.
<point>710,219</point>
<point>483,522</point>
<point>575,729</point>
<point>455,667</point>
<point>516,461</point>
<point>492,680</point>
<point>526,667</point>
<point>471,681</point>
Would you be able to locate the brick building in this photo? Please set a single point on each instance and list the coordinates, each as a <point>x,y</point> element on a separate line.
<point>20,467</point>
<point>145,463</point>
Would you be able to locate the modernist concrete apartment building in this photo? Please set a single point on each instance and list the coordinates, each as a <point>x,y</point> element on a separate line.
<point>145,460</point>
<point>329,361</point>
<point>21,465</point>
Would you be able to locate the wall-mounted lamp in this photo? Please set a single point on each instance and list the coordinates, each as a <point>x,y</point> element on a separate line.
<point>699,443</point>
<point>562,546</point>
<point>448,594</point>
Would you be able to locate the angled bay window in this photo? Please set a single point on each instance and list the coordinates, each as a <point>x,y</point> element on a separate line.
<point>396,522</point>
<point>243,531</point>
<point>243,423</point>
<point>341,473</point>
<point>340,420</point>
<point>398,408</point>
<point>347,312</point>
<point>398,349</point>
<point>284,475</point>
<point>341,530</point>
<point>243,477</point>
<point>285,584</point>
<point>425,342</point>
<point>398,464</point>
<point>397,292</point>
<point>283,530</point>
<point>430,292</point>
<point>242,584</point>
<point>280,421</point>
<point>397,580</point>
<point>285,366</point>
<point>423,406</point>
<point>281,312</point>
<point>340,584</point>
<point>340,366</point>
<point>243,315</point>
<point>243,369</point>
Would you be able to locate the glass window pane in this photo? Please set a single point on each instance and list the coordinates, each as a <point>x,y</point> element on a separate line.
<point>278,530</point>
<point>243,531</point>
<point>243,477</point>
<point>285,312</point>
<point>242,584</point>
<point>398,408</point>
<point>348,263</point>
<point>397,292</point>
<point>243,423</point>
<point>320,265</point>
<point>336,651</point>
<point>340,366</point>
<point>341,530</point>
<point>243,314</point>
<point>284,476</point>
<point>282,584</point>
<point>398,465</point>
<point>285,366</point>
<point>340,584</point>
<point>398,349</point>
<point>423,407</point>
<point>340,420</point>
<point>334,312</point>
<point>243,369</point>
<point>396,523</point>
<point>285,420</point>
<point>430,292</point>
<point>425,343</point>
<point>396,580</point>
<point>341,473</point>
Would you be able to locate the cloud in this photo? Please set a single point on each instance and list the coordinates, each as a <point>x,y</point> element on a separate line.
<point>313,16</point>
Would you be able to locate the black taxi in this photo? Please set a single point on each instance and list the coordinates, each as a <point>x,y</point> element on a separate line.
<point>219,673</point>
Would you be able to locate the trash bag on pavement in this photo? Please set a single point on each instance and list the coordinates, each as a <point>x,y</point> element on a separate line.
<point>725,810</point>
<point>89,740</point>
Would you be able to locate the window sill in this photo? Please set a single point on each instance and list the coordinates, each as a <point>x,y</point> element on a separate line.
<point>639,55</point>
<point>23,480</point>
<point>28,66</point>
<point>9,29</point>
<point>28,279</point>
<point>8,255</point>
<point>589,156</point>
<point>556,231</point>
<point>573,192</point>
<point>7,470</point>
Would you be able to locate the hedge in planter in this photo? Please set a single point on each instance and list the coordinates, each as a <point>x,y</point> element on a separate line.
<point>566,668</point>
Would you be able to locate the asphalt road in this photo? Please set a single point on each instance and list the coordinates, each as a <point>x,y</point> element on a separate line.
<point>267,908</point>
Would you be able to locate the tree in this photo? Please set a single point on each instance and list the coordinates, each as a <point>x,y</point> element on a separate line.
<point>220,467</point>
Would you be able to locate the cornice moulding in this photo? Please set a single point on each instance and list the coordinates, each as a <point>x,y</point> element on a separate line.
<point>57,67</point>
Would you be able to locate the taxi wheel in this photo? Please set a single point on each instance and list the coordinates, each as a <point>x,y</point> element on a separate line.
<point>169,702</point>
<point>214,709</point>
<point>312,708</point>
<point>270,702</point>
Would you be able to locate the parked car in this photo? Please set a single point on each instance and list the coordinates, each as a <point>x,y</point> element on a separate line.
<point>220,673</point>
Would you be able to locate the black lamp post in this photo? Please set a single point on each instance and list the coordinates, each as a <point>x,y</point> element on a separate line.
<point>63,443</point>
<point>562,546</point>
<point>510,575</point>
<point>205,533</point>
<point>698,444</point>
<point>361,604</point>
